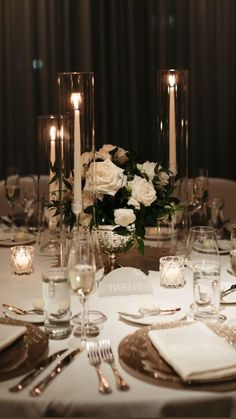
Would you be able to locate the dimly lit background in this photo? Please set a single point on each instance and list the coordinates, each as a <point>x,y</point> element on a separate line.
<point>124,42</point>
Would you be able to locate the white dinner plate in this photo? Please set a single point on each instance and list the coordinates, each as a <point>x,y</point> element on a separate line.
<point>26,305</point>
<point>133,308</point>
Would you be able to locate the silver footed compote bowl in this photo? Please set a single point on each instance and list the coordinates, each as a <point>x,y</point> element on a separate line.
<point>112,243</point>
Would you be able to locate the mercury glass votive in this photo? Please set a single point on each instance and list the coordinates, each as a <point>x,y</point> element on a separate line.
<point>22,259</point>
<point>172,272</point>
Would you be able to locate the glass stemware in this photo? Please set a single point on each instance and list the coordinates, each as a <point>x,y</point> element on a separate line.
<point>93,317</point>
<point>201,246</point>
<point>81,270</point>
<point>12,191</point>
<point>232,254</point>
<point>29,197</point>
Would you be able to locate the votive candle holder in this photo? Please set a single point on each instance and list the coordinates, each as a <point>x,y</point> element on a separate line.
<point>22,259</point>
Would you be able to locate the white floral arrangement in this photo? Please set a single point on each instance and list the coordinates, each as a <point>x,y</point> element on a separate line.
<point>129,195</point>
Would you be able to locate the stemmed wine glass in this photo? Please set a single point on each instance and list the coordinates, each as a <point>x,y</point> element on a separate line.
<point>12,190</point>
<point>232,254</point>
<point>81,271</point>
<point>29,197</point>
<point>202,246</point>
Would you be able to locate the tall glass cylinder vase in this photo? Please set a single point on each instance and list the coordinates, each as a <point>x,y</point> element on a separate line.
<point>49,175</point>
<point>172,119</point>
<point>76,101</point>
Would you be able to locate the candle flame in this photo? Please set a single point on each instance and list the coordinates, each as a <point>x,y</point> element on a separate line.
<point>76,99</point>
<point>53,132</point>
<point>172,80</point>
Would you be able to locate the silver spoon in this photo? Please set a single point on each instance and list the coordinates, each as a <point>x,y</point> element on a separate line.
<point>20,311</point>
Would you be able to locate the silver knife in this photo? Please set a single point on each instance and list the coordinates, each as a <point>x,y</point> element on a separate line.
<point>36,371</point>
<point>40,387</point>
<point>228,291</point>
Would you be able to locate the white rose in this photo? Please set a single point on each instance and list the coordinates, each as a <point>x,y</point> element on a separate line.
<point>142,192</point>
<point>148,168</point>
<point>164,178</point>
<point>108,178</point>
<point>120,155</point>
<point>124,216</point>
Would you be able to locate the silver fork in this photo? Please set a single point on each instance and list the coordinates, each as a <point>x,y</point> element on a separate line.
<point>95,360</point>
<point>108,356</point>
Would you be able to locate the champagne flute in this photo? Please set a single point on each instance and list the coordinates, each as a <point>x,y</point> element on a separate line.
<point>81,270</point>
<point>93,317</point>
<point>232,254</point>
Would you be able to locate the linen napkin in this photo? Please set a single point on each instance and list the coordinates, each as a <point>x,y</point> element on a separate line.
<point>8,334</point>
<point>195,352</point>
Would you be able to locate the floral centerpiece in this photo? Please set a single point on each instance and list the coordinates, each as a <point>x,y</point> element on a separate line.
<point>128,195</point>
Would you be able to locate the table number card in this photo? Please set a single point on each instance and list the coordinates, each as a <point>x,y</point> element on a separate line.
<point>125,281</point>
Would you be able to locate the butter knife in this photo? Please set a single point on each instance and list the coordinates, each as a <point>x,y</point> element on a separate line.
<point>40,387</point>
<point>36,371</point>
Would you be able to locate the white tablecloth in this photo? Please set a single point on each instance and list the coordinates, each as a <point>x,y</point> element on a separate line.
<point>75,391</point>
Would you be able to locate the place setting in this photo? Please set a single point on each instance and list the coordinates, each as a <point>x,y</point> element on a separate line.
<point>157,354</point>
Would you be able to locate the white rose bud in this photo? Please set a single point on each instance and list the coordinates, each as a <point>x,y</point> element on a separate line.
<point>164,178</point>
<point>124,217</point>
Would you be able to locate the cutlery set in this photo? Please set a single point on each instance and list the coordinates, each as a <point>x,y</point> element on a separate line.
<point>103,351</point>
<point>96,351</point>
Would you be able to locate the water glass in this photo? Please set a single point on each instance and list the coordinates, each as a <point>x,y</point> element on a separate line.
<point>206,290</point>
<point>172,271</point>
<point>56,297</point>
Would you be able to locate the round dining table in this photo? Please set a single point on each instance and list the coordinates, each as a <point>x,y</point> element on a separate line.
<point>74,392</point>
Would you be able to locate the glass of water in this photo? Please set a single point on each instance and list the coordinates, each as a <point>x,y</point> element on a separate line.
<point>206,290</point>
<point>56,297</point>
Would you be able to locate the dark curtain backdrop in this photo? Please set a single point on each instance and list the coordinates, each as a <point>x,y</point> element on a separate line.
<point>124,42</point>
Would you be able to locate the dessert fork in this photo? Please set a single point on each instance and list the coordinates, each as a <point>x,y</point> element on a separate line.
<point>95,361</point>
<point>108,356</point>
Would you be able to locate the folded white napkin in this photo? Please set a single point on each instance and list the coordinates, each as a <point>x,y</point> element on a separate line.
<point>8,334</point>
<point>195,352</point>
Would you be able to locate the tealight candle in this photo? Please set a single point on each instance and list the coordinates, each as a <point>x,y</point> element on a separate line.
<point>22,259</point>
<point>172,271</point>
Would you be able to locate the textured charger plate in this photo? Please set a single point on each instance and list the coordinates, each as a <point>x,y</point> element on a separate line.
<point>140,358</point>
<point>25,352</point>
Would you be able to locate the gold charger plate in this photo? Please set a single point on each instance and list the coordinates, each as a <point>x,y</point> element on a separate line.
<point>140,358</point>
<point>25,352</point>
